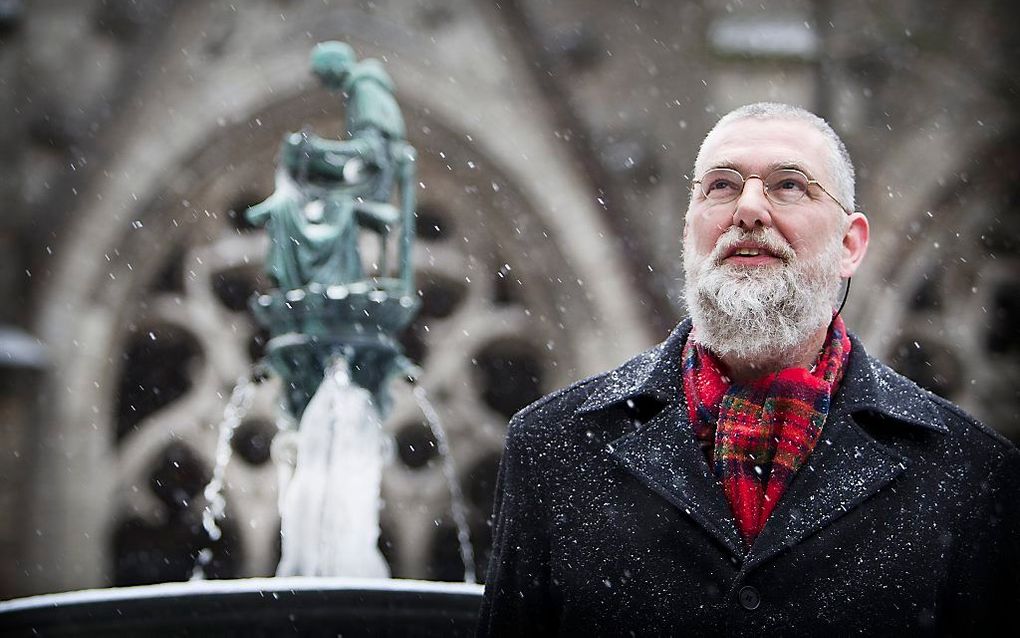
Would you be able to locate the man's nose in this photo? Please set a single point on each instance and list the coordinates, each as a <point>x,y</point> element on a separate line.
<point>753,208</point>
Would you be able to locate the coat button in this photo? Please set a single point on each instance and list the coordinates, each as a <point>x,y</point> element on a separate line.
<point>749,598</point>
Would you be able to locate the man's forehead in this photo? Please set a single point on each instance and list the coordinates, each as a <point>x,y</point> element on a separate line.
<point>765,144</point>
<point>768,167</point>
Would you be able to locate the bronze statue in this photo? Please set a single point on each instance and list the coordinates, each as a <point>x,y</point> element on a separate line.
<point>330,195</point>
<point>329,191</point>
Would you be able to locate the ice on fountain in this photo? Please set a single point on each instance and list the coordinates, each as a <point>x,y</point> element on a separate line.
<point>329,507</point>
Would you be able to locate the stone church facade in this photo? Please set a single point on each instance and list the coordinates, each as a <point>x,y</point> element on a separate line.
<point>555,140</point>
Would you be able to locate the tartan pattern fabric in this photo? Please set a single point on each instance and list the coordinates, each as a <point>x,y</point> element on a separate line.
<point>756,435</point>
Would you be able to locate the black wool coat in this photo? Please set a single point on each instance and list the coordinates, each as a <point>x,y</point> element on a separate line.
<point>905,519</point>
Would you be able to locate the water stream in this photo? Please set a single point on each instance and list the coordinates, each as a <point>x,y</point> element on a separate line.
<point>216,503</point>
<point>457,507</point>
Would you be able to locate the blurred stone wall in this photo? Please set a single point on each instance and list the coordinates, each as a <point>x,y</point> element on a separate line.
<point>557,140</point>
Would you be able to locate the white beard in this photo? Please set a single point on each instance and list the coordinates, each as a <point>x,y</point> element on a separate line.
<point>763,314</point>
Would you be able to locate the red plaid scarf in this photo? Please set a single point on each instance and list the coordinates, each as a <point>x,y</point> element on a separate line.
<point>758,434</point>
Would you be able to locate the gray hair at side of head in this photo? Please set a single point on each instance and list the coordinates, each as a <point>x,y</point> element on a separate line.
<point>841,166</point>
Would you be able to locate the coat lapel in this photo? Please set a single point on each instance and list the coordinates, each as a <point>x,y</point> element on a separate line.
<point>662,452</point>
<point>665,457</point>
<point>847,466</point>
<point>845,469</point>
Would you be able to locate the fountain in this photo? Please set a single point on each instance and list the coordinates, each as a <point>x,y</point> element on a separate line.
<point>340,259</point>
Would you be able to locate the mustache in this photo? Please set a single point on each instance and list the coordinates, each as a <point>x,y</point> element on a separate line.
<point>766,238</point>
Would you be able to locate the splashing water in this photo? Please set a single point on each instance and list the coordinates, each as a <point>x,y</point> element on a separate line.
<point>459,511</point>
<point>216,503</point>
<point>329,507</point>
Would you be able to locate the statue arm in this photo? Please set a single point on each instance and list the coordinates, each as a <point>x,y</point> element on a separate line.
<point>327,158</point>
<point>353,146</point>
<point>261,213</point>
<point>377,216</point>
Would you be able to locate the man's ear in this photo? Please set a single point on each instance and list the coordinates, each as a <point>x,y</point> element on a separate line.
<point>855,244</point>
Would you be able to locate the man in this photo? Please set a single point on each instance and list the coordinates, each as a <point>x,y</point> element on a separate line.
<point>757,473</point>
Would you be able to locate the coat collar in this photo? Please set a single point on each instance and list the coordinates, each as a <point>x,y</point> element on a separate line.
<point>845,469</point>
<point>655,373</point>
<point>868,385</point>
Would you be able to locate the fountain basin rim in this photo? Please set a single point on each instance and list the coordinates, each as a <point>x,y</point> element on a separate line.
<point>238,586</point>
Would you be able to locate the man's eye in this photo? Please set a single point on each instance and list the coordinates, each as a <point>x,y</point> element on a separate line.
<point>721,185</point>
<point>789,184</point>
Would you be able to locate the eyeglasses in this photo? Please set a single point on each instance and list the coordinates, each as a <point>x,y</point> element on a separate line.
<point>782,186</point>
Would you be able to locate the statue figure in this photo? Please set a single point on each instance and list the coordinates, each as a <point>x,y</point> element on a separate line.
<point>329,191</point>
<point>332,196</point>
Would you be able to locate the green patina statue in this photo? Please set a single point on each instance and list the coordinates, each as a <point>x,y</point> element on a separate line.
<point>332,198</point>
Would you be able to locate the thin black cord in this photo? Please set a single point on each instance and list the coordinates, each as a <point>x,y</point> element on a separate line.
<point>845,295</point>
